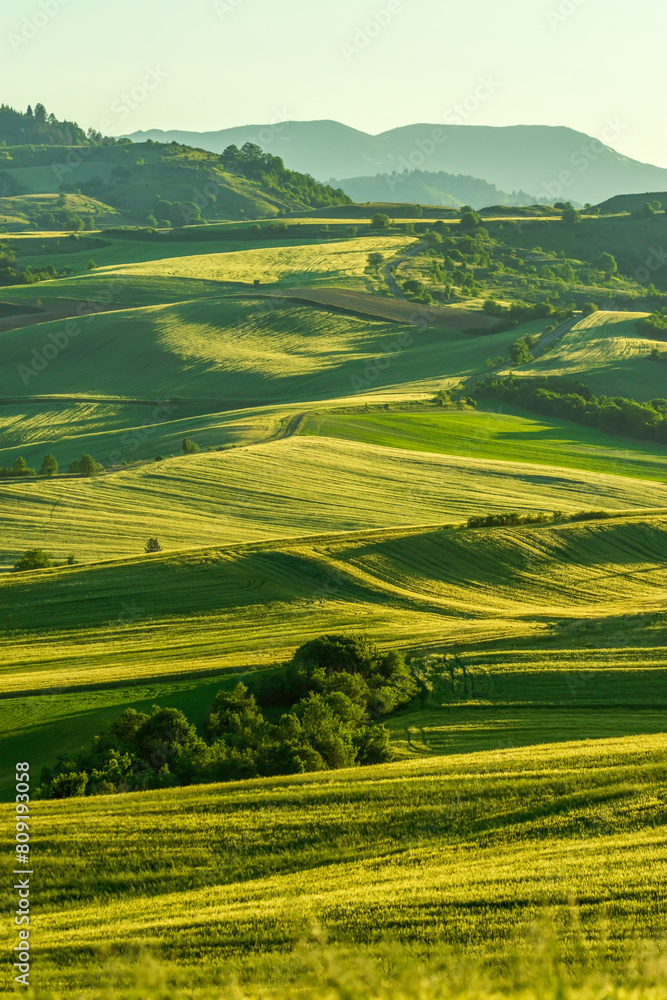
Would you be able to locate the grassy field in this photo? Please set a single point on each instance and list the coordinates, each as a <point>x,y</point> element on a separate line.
<point>487,434</point>
<point>243,351</point>
<point>283,489</point>
<point>462,854</point>
<point>517,842</point>
<point>346,262</point>
<point>607,351</point>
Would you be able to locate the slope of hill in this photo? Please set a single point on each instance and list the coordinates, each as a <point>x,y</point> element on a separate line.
<point>608,351</point>
<point>424,188</point>
<point>632,202</point>
<point>286,491</point>
<point>526,157</point>
<point>286,872</point>
<point>171,184</point>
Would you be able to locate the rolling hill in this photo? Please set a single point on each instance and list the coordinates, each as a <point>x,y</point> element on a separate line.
<point>469,859</point>
<point>341,456</point>
<point>149,182</point>
<point>526,157</point>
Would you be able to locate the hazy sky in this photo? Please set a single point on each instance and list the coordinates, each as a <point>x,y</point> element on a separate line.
<point>210,64</point>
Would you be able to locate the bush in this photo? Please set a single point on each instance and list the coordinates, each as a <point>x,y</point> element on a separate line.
<point>152,545</point>
<point>380,221</point>
<point>86,466</point>
<point>49,466</point>
<point>334,689</point>
<point>190,447</point>
<point>589,308</point>
<point>32,559</point>
<point>19,470</point>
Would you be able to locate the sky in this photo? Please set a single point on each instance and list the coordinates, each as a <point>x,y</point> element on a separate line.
<point>125,65</point>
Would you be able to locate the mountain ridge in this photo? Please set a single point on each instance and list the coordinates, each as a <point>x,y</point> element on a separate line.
<point>553,162</point>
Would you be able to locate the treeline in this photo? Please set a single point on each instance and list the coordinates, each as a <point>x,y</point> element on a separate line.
<point>84,466</point>
<point>12,274</point>
<point>558,397</point>
<point>654,326</point>
<point>334,690</point>
<point>18,128</point>
<point>252,162</point>
<point>513,518</point>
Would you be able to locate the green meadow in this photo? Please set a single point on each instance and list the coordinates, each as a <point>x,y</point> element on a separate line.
<point>514,845</point>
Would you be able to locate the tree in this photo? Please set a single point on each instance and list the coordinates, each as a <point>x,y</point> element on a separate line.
<point>21,469</point>
<point>91,265</point>
<point>589,308</point>
<point>85,466</point>
<point>607,264</point>
<point>519,352</point>
<point>380,221</point>
<point>375,259</point>
<point>190,447</point>
<point>49,466</point>
<point>152,545</point>
<point>469,219</point>
<point>571,216</point>
<point>32,559</point>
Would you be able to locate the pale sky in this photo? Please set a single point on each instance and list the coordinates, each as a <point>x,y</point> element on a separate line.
<point>211,64</point>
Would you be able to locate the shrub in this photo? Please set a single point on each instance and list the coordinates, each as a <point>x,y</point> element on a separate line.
<point>333,688</point>
<point>85,466</point>
<point>380,221</point>
<point>32,559</point>
<point>589,308</point>
<point>190,447</point>
<point>49,466</point>
<point>152,545</point>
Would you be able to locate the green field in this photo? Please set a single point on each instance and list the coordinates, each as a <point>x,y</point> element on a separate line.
<point>487,434</point>
<point>471,855</point>
<point>514,846</point>
<point>607,351</point>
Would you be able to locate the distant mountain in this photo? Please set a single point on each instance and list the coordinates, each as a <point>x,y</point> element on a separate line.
<point>424,188</point>
<point>554,163</point>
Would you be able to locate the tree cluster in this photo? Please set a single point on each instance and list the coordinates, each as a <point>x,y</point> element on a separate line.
<point>558,397</point>
<point>38,127</point>
<point>333,691</point>
<point>12,274</point>
<point>252,162</point>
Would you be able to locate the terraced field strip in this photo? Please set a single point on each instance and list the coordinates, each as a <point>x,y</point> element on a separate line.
<point>286,488</point>
<point>385,308</point>
<point>464,851</point>
<point>252,605</point>
<point>506,435</point>
<point>606,351</point>
<point>289,265</point>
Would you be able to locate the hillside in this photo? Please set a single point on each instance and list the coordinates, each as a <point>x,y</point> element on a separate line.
<point>492,848</point>
<point>520,157</point>
<point>162,184</point>
<point>632,202</point>
<point>430,188</point>
<point>278,436</point>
